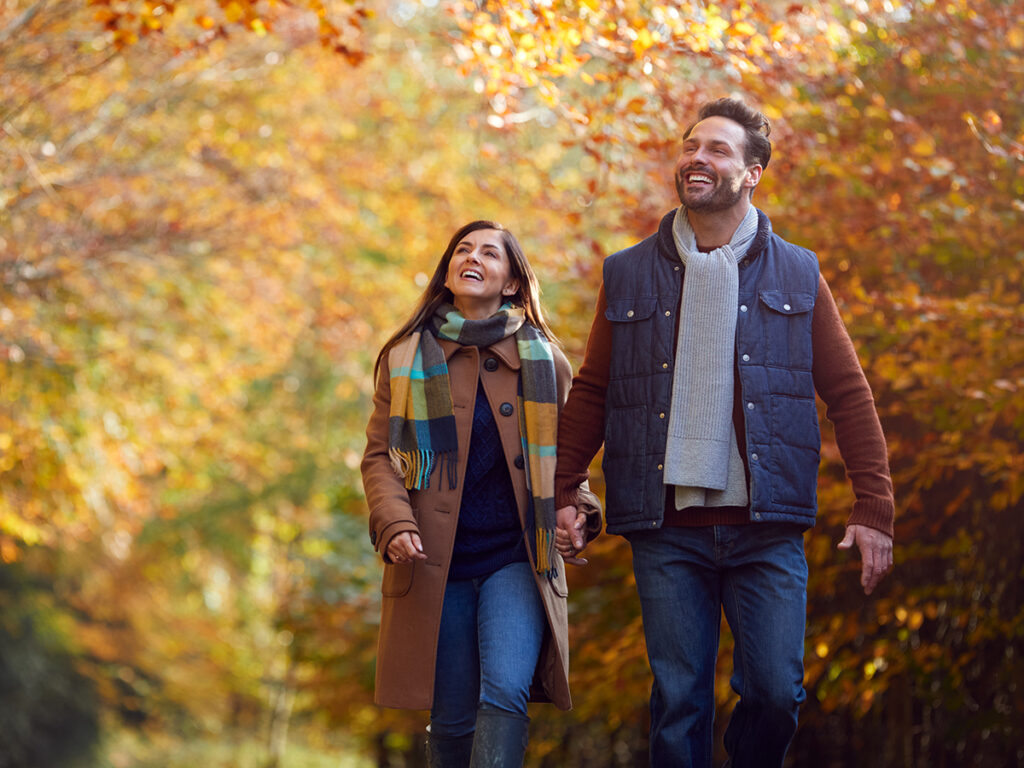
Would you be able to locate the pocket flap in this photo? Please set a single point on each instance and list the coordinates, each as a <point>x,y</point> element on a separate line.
<point>787,303</point>
<point>630,310</point>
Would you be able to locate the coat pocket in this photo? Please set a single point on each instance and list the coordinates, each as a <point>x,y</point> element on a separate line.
<point>397,579</point>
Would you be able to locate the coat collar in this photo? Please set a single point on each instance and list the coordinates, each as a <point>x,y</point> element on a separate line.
<point>505,349</point>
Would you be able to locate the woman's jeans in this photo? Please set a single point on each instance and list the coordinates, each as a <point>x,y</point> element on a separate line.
<point>684,577</point>
<point>492,628</point>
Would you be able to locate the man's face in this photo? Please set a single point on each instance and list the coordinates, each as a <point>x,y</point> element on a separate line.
<point>711,174</point>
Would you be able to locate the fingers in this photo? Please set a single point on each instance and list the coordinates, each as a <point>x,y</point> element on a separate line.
<point>880,561</point>
<point>577,561</point>
<point>405,547</point>
<point>875,552</point>
<point>569,538</point>
<point>867,567</point>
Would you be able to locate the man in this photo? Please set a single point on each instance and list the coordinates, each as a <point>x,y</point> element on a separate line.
<point>709,342</point>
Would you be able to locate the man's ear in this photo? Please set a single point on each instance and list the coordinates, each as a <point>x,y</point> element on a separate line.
<point>753,176</point>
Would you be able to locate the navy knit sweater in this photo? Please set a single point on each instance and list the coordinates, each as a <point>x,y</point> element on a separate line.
<point>489,535</point>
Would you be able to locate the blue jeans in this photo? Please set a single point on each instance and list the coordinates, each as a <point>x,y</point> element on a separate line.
<point>684,577</point>
<point>492,628</point>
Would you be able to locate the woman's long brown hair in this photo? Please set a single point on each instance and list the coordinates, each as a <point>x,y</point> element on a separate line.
<point>435,294</point>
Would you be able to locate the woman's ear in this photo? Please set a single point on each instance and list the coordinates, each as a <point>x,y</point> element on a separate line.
<point>511,288</point>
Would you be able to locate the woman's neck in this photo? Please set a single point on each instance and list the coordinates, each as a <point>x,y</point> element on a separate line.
<point>477,310</point>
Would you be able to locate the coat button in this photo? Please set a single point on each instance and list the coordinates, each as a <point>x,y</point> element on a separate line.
<point>746,358</point>
<point>491,363</point>
<point>743,307</point>
<point>630,313</point>
<point>786,307</point>
<point>506,409</point>
<point>519,462</point>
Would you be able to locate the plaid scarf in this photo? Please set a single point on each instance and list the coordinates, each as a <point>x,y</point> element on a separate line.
<point>422,434</point>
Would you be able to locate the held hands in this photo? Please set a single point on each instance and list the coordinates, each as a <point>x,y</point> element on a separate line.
<point>875,553</point>
<point>569,538</point>
<point>405,547</point>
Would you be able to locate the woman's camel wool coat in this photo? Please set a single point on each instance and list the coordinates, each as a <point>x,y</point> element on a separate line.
<point>412,593</point>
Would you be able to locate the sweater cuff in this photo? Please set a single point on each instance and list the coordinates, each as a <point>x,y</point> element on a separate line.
<point>567,490</point>
<point>874,513</point>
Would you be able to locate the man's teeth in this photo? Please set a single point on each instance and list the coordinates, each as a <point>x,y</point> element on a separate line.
<point>700,177</point>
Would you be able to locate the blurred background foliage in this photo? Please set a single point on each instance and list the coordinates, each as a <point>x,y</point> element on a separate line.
<point>212,213</point>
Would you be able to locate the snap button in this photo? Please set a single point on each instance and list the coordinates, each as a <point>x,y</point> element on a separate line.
<point>786,307</point>
<point>491,363</point>
<point>676,268</point>
<point>519,462</point>
<point>753,456</point>
<point>746,358</point>
<point>664,365</point>
<point>506,409</point>
<point>661,466</point>
<point>629,313</point>
<point>757,515</point>
<point>743,307</point>
<point>661,415</point>
<point>667,313</point>
<point>750,406</point>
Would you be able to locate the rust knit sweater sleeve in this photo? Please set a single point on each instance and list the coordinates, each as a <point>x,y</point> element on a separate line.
<point>581,424</point>
<point>850,406</point>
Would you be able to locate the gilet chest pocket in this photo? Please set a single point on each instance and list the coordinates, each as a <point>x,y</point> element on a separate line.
<point>632,334</point>
<point>787,328</point>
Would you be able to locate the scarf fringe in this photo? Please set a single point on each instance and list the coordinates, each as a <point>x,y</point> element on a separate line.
<point>545,553</point>
<point>415,467</point>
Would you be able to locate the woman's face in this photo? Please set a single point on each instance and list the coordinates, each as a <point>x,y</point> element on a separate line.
<point>479,274</point>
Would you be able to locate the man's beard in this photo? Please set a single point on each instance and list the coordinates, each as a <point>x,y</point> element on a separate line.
<point>721,198</point>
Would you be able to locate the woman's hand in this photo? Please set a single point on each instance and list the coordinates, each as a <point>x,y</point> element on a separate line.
<point>405,547</point>
<point>569,539</point>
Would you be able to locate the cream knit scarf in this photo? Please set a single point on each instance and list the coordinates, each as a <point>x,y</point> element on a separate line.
<point>701,454</point>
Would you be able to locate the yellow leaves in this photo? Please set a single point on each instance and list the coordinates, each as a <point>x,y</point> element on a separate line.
<point>233,12</point>
<point>923,146</point>
<point>1015,37</point>
<point>743,28</point>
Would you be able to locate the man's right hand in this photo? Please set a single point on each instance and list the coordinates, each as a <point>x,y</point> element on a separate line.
<point>405,547</point>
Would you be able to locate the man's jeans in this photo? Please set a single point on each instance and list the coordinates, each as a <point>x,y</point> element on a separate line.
<point>684,577</point>
<point>491,633</point>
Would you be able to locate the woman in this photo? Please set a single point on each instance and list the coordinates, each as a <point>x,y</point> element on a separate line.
<point>459,479</point>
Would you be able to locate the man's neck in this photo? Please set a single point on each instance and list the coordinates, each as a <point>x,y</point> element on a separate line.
<point>713,229</point>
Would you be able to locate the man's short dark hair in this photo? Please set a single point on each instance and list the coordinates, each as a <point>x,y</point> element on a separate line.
<point>758,149</point>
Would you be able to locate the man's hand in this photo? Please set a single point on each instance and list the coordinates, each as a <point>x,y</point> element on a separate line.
<point>875,553</point>
<point>405,547</point>
<point>569,539</point>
